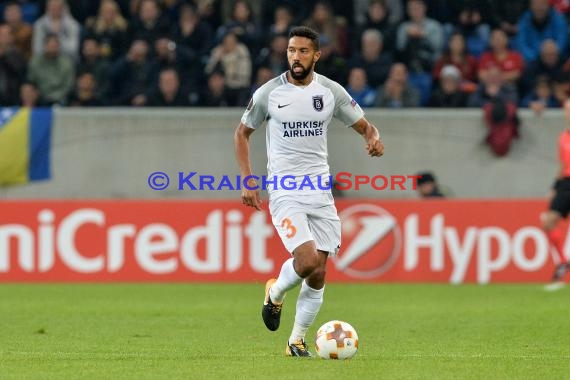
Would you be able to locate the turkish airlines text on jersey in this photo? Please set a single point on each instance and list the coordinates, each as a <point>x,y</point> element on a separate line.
<point>407,241</point>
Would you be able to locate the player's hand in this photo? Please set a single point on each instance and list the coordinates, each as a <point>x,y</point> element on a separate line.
<point>251,198</point>
<point>375,147</point>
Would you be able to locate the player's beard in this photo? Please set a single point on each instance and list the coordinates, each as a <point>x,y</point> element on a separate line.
<point>300,75</point>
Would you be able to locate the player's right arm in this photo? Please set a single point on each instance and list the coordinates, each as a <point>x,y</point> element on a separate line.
<point>249,197</point>
<point>374,143</point>
<point>254,116</point>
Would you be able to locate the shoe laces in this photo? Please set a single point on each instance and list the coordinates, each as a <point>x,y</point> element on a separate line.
<point>275,309</point>
<point>300,344</point>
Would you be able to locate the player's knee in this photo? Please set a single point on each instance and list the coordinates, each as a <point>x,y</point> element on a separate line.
<point>309,267</point>
<point>318,275</point>
<point>306,259</point>
<point>306,264</point>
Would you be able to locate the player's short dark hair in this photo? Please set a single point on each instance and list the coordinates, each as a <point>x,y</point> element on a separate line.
<point>305,31</point>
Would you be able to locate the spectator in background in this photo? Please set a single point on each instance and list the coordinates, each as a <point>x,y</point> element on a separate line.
<point>30,9</point>
<point>498,99</point>
<point>133,7</point>
<point>439,10</point>
<point>274,56</point>
<point>226,9</point>
<point>359,89</point>
<point>493,86</point>
<point>21,30</point>
<point>562,83</point>
<point>233,58</point>
<point>29,96</point>
<point>242,24</point>
<point>282,22</point>
<point>80,10</point>
<point>506,15</point>
<point>52,72</point>
<point>324,21</point>
<point>510,62</point>
<point>149,23</point>
<point>502,122</point>
<point>471,18</point>
<point>331,64</point>
<point>562,6</point>
<point>397,91</point>
<point>92,62</point>
<point>192,33</point>
<point>262,76</point>
<point>449,93</point>
<point>427,186</point>
<point>394,8</point>
<point>378,18</point>
<point>343,9</point>
<point>110,29</point>
<point>131,75</point>
<point>542,96</point>
<point>548,64</point>
<point>171,9</point>
<point>85,93</point>
<point>169,93</point>
<point>12,68</point>
<point>456,55</point>
<point>300,10</point>
<point>372,58</point>
<point>419,40</point>
<point>57,21</point>
<point>167,54</point>
<point>207,12</point>
<point>215,94</point>
<point>541,22</point>
<point>419,44</point>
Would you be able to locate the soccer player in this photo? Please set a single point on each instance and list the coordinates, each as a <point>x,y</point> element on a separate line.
<point>299,105</point>
<point>560,203</point>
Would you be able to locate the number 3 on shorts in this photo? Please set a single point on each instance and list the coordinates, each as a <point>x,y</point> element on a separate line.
<point>291,230</point>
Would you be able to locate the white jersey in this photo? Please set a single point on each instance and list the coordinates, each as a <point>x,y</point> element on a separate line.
<point>299,118</point>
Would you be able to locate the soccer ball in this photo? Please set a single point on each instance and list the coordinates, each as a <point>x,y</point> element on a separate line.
<point>336,340</point>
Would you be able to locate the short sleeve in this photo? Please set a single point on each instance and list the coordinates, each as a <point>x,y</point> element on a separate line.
<point>346,109</point>
<point>256,111</point>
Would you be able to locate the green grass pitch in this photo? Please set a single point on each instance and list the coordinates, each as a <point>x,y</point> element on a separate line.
<point>191,331</point>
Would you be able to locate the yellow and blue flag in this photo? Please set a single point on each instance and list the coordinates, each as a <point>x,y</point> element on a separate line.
<point>25,145</point>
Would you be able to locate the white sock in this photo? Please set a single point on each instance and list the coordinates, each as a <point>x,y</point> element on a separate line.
<point>287,280</point>
<point>308,305</point>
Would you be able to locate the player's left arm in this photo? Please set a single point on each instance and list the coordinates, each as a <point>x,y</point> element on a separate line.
<point>374,143</point>
<point>347,111</point>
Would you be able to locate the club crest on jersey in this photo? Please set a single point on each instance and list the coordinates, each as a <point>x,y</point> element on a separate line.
<point>318,103</point>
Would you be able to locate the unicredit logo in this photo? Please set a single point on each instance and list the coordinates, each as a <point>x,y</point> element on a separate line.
<point>156,248</point>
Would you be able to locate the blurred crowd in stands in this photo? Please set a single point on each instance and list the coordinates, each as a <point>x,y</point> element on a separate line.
<point>215,53</point>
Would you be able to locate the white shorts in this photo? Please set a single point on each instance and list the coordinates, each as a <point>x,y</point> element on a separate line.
<point>299,219</point>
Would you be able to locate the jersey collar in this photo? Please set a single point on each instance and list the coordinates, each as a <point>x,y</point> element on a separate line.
<point>285,81</point>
